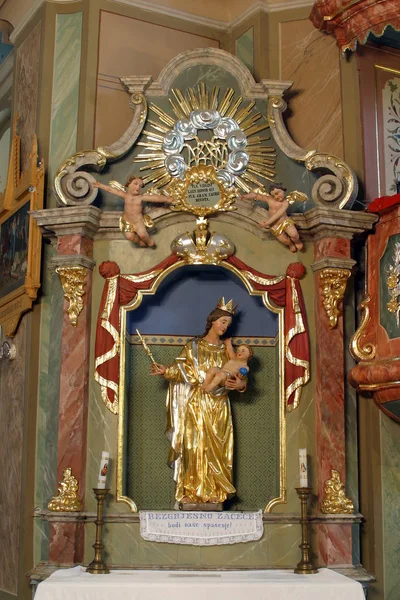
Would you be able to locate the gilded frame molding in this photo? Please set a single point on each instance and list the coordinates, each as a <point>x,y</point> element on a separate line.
<point>22,188</point>
<point>121,497</point>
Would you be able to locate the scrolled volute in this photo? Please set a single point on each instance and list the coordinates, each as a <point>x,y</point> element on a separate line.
<point>73,184</point>
<point>337,186</point>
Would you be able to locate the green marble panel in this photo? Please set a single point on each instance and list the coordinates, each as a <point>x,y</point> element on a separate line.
<point>387,319</point>
<point>65,92</point>
<point>279,548</point>
<point>351,427</point>
<point>52,301</point>
<point>393,407</point>
<point>245,49</point>
<point>391,505</point>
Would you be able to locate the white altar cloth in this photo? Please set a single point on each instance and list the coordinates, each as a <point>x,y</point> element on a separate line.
<point>76,584</point>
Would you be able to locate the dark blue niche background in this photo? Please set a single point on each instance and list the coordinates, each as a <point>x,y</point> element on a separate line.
<point>185,298</point>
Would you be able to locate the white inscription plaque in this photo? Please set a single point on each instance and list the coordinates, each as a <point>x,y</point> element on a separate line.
<point>205,193</point>
<point>200,528</point>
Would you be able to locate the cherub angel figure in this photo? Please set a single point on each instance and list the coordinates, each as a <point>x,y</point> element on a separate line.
<point>282,226</point>
<point>133,223</point>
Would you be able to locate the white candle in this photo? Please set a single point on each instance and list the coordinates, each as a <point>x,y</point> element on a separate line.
<point>102,479</point>
<point>303,467</point>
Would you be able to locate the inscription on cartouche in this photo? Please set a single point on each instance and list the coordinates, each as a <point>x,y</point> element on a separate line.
<point>203,194</point>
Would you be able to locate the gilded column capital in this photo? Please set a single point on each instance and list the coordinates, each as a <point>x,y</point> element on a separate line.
<point>333,286</point>
<point>73,280</point>
<point>67,499</point>
<point>335,500</point>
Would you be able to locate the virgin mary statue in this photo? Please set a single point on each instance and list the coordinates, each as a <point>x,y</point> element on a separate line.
<point>199,423</point>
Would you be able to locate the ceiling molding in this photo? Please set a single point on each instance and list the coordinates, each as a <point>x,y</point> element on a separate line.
<point>152,7</point>
<point>25,20</point>
<point>266,6</point>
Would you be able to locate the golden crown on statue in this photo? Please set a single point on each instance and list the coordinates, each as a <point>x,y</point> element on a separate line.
<point>228,307</point>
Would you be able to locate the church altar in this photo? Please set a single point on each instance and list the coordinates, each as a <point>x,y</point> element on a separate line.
<point>198,585</point>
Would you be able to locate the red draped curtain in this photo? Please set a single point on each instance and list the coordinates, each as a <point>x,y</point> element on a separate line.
<point>121,290</point>
<point>351,21</point>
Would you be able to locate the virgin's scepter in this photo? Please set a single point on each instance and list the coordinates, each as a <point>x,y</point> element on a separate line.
<point>145,346</point>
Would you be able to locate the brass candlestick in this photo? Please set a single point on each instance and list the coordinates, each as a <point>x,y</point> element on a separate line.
<point>305,566</point>
<point>97,566</point>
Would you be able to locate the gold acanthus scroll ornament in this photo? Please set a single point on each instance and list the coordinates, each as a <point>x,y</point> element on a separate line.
<point>333,286</point>
<point>357,350</point>
<point>335,500</point>
<point>67,499</point>
<point>72,280</point>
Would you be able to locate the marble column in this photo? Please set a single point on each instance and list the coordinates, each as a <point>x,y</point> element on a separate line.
<point>331,268</point>
<point>74,228</point>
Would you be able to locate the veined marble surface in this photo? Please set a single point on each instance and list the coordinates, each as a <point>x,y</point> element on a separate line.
<point>49,387</point>
<point>391,504</point>
<point>311,60</point>
<point>13,383</point>
<point>279,547</point>
<point>65,92</point>
<point>26,93</point>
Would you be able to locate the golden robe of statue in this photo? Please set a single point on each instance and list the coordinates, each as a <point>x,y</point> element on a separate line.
<point>199,423</point>
<point>199,426</point>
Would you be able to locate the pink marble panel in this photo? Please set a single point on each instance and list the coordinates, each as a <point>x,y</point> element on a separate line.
<point>67,543</point>
<point>333,247</point>
<point>66,540</point>
<point>75,244</point>
<point>74,383</point>
<point>329,398</point>
<point>334,545</point>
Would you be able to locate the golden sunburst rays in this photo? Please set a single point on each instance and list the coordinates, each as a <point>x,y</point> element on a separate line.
<point>213,151</point>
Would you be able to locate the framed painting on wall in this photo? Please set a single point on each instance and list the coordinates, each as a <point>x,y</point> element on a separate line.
<point>20,238</point>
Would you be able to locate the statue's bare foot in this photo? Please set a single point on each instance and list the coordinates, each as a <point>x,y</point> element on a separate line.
<point>186,500</point>
<point>214,500</point>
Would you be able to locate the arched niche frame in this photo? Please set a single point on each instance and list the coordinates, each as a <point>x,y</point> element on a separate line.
<point>148,284</point>
<point>335,187</point>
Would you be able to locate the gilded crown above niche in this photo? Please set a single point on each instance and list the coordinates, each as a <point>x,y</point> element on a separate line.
<point>205,110</point>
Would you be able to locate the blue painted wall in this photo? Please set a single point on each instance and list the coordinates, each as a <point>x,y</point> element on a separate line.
<point>185,298</point>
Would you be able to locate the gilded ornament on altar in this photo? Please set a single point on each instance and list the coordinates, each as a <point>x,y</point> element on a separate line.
<point>368,351</point>
<point>227,158</point>
<point>202,247</point>
<point>296,196</point>
<point>72,280</point>
<point>201,192</point>
<point>335,500</point>
<point>333,286</point>
<point>393,284</point>
<point>67,499</point>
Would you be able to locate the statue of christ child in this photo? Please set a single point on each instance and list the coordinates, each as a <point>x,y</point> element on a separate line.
<point>236,365</point>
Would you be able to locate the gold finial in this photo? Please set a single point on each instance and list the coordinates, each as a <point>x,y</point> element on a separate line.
<point>67,499</point>
<point>228,307</point>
